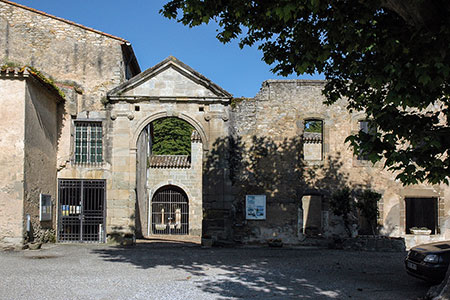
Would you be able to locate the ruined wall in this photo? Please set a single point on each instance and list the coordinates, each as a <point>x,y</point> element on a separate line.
<point>267,133</point>
<point>12,169</point>
<point>43,117</point>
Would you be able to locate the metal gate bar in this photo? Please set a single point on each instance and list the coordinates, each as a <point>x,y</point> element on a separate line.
<point>170,213</point>
<point>82,210</point>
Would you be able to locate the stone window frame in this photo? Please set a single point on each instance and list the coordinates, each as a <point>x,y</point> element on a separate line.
<point>73,141</point>
<point>356,119</point>
<point>325,135</point>
<point>422,193</point>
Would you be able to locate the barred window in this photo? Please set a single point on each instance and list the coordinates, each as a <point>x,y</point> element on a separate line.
<point>88,142</point>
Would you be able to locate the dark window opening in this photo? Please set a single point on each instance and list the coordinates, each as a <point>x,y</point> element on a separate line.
<point>137,108</point>
<point>421,213</point>
<point>368,128</point>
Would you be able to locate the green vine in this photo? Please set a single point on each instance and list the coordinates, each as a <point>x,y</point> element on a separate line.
<point>47,80</point>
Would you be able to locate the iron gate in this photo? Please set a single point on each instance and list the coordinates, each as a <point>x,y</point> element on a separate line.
<point>81,210</point>
<point>170,211</point>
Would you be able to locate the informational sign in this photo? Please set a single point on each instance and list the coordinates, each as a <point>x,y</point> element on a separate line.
<point>45,207</point>
<point>255,207</point>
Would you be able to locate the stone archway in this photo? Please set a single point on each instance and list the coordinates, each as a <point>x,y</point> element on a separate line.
<point>153,171</point>
<point>144,122</point>
<point>169,89</point>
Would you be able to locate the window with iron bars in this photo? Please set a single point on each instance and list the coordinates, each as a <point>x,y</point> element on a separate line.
<point>88,142</point>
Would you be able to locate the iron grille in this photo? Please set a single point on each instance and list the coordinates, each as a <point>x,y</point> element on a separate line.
<point>81,210</point>
<point>170,211</point>
<point>88,142</point>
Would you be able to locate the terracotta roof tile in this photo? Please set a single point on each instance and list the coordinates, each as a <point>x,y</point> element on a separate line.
<point>312,137</point>
<point>170,161</point>
<point>195,137</point>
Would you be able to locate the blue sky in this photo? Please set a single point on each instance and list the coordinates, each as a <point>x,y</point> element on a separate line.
<point>154,37</point>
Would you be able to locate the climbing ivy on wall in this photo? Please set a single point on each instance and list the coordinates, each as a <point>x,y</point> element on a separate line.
<point>171,136</point>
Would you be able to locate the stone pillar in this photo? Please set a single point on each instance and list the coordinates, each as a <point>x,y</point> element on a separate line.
<point>121,194</point>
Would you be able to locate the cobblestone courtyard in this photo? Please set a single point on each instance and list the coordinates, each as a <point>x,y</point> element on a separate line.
<point>185,271</point>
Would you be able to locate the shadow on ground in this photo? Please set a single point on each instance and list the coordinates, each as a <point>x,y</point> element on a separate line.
<point>267,273</point>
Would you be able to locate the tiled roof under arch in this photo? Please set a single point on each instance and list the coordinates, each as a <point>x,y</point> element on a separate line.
<point>170,161</point>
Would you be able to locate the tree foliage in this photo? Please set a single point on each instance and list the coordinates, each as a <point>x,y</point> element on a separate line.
<point>342,205</point>
<point>368,206</point>
<point>313,126</point>
<point>389,58</point>
<point>171,136</point>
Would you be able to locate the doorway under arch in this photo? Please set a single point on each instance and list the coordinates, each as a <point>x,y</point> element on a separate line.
<point>169,211</point>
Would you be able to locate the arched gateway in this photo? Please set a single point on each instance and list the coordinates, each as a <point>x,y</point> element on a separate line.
<point>169,211</point>
<point>140,181</point>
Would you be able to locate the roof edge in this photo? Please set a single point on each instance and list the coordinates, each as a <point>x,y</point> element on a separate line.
<point>65,21</point>
<point>29,72</point>
<point>298,81</point>
<point>170,60</point>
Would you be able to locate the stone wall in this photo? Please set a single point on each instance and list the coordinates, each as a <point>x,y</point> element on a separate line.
<point>43,117</point>
<point>267,133</point>
<point>12,130</point>
<point>83,62</point>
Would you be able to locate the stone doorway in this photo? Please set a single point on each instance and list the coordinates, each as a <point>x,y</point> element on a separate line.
<point>169,211</point>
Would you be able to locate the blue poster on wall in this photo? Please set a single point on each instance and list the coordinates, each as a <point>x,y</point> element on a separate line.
<point>255,207</point>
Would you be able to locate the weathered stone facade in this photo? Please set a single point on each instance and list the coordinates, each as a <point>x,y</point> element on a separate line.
<point>257,146</point>
<point>30,129</point>
<point>268,133</point>
<point>84,63</point>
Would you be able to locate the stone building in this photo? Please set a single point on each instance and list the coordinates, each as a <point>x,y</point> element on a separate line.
<point>84,64</point>
<point>88,156</point>
<point>30,126</point>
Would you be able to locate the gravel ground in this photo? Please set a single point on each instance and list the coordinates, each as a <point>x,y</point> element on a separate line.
<point>162,270</point>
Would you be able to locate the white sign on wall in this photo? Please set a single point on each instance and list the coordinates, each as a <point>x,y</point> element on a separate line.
<point>255,208</point>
